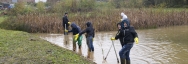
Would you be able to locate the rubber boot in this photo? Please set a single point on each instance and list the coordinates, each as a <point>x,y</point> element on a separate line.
<point>91,55</point>
<point>80,51</point>
<point>74,46</point>
<point>128,62</point>
<point>88,53</point>
<point>122,61</point>
<point>79,46</point>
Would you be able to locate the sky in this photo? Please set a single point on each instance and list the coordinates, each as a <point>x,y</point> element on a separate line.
<point>40,0</point>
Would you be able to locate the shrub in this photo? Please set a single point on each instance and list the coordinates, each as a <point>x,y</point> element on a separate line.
<point>87,5</point>
<point>40,7</point>
<point>18,9</point>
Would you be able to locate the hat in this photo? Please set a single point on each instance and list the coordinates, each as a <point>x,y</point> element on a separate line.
<point>123,16</point>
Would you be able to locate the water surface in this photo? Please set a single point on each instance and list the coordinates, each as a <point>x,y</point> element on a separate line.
<point>156,46</point>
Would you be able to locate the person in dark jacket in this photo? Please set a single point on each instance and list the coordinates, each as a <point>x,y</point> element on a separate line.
<point>90,35</point>
<point>129,36</point>
<point>75,30</point>
<point>65,23</point>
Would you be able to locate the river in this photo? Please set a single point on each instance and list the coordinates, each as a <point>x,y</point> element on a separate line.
<point>156,46</point>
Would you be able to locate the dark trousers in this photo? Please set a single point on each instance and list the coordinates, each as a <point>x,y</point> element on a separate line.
<point>90,43</point>
<point>124,52</point>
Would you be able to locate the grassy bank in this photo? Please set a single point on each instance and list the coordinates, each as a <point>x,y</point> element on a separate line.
<point>22,48</point>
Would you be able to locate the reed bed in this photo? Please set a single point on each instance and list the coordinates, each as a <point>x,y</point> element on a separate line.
<point>103,20</point>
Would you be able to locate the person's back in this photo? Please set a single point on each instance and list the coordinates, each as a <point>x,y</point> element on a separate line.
<point>89,30</point>
<point>75,29</point>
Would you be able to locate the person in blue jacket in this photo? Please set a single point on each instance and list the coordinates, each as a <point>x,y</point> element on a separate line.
<point>75,30</point>
<point>90,35</point>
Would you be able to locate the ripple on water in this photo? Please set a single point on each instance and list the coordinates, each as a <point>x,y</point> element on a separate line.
<point>152,48</point>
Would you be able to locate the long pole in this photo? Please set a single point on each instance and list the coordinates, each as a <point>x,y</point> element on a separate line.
<point>102,50</point>
<point>65,29</point>
<point>115,52</point>
<point>65,34</point>
<point>108,52</point>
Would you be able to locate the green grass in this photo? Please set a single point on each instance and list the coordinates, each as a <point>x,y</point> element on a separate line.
<point>2,19</point>
<point>23,48</point>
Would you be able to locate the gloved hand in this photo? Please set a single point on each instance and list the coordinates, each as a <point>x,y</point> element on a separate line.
<point>93,39</point>
<point>112,38</point>
<point>69,22</point>
<point>121,19</point>
<point>136,40</point>
<point>66,30</point>
<point>76,37</point>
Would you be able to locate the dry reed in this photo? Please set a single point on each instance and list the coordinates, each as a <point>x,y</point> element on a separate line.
<point>103,20</point>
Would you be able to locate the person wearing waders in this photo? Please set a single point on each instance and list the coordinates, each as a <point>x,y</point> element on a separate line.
<point>65,23</point>
<point>75,30</point>
<point>90,35</point>
<point>129,36</point>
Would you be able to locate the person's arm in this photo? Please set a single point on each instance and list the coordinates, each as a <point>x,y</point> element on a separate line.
<point>71,30</point>
<point>133,32</point>
<point>67,21</point>
<point>118,35</point>
<point>82,32</point>
<point>79,34</point>
<point>135,35</point>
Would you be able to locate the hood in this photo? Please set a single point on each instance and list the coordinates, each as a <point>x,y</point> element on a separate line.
<point>73,25</point>
<point>124,17</point>
<point>127,22</point>
<point>89,24</point>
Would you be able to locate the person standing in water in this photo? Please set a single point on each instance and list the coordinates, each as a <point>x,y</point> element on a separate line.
<point>90,35</point>
<point>65,23</point>
<point>75,29</point>
<point>129,36</point>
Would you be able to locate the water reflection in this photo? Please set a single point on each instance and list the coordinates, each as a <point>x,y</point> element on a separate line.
<point>156,46</point>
